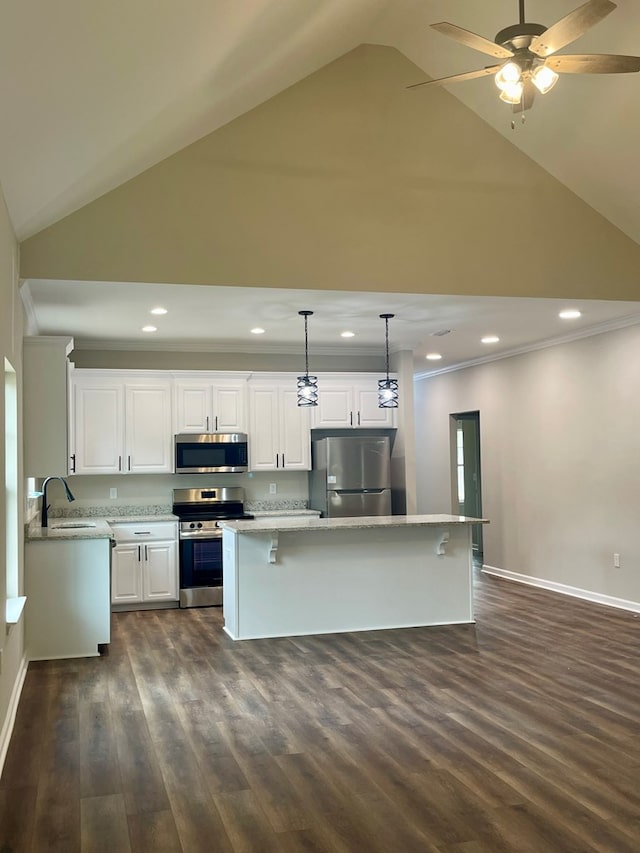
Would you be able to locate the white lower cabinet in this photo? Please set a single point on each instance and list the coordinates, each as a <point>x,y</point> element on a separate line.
<point>145,568</point>
<point>280,431</point>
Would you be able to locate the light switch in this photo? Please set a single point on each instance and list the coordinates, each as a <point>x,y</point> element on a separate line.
<point>113,493</point>
<point>273,489</point>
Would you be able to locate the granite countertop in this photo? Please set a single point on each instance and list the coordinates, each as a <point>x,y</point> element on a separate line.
<point>285,513</point>
<point>89,527</point>
<point>302,524</point>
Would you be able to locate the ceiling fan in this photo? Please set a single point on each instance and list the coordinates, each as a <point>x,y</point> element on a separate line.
<point>527,52</point>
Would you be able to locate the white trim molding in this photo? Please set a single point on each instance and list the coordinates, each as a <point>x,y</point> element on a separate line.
<point>12,710</point>
<point>563,589</point>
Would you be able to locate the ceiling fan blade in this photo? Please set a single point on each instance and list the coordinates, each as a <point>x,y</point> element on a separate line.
<point>472,40</point>
<point>457,78</point>
<point>571,27</point>
<point>593,63</point>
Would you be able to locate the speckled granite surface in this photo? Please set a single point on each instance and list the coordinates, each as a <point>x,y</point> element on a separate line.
<point>302,524</point>
<point>111,510</point>
<point>256,506</point>
<point>96,528</point>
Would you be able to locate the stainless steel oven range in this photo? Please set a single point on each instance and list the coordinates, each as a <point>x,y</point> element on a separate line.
<point>200,540</point>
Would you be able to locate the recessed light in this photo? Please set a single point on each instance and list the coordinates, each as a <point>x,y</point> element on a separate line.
<point>158,310</point>
<point>257,331</point>
<point>347,334</point>
<point>490,339</point>
<point>149,329</point>
<point>433,356</point>
<point>570,314</point>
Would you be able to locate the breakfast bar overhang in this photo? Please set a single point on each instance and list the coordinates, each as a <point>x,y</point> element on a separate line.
<point>295,576</point>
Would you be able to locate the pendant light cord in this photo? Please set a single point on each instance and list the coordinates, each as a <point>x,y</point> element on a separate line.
<point>306,348</point>
<point>386,337</point>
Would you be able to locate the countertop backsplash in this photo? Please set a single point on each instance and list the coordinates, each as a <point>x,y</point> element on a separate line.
<point>113,509</point>
<point>131,507</point>
<point>274,506</point>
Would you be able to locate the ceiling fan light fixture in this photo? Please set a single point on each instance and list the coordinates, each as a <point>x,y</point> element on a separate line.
<point>544,78</point>
<point>508,74</point>
<point>512,93</point>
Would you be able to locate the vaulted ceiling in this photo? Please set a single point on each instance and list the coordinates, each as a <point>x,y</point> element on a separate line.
<point>430,191</point>
<point>94,93</point>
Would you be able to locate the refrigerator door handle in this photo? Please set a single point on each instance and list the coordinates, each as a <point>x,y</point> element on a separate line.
<point>358,491</point>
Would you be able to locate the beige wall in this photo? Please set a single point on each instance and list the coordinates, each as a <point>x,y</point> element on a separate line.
<point>175,360</point>
<point>560,464</point>
<point>347,181</point>
<point>11,325</point>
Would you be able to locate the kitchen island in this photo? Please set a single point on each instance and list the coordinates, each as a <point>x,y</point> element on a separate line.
<point>294,576</point>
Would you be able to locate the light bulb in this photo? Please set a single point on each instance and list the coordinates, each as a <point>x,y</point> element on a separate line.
<point>512,93</point>
<point>544,78</point>
<point>509,73</point>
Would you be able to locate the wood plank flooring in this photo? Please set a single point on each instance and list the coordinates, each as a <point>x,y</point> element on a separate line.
<point>521,733</point>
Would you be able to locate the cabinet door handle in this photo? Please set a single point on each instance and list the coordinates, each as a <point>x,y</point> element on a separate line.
<point>146,553</point>
<point>139,552</point>
<point>73,463</point>
<point>216,424</point>
<point>358,418</point>
<point>129,463</point>
<point>119,463</point>
<point>207,429</point>
<point>142,533</point>
<point>283,460</point>
<point>351,418</point>
<point>277,460</point>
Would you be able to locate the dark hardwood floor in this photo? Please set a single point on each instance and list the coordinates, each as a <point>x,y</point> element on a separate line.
<point>521,733</point>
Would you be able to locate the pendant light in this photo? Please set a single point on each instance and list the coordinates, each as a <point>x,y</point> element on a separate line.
<point>387,388</point>
<point>307,385</point>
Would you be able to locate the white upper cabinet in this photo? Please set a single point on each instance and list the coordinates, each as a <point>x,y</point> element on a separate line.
<point>350,401</point>
<point>121,425</point>
<point>208,404</point>
<point>279,431</point>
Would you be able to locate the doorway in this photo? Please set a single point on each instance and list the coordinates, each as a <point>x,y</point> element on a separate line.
<point>467,484</point>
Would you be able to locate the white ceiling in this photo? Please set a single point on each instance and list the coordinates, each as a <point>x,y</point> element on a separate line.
<point>111,315</point>
<point>94,93</point>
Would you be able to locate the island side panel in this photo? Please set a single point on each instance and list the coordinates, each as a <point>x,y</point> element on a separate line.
<point>230,583</point>
<point>350,580</point>
<point>68,609</point>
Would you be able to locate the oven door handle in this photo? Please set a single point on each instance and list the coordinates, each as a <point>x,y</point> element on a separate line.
<point>198,534</point>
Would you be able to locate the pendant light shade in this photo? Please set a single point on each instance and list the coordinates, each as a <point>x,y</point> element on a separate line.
<point>307,385</point>
<point>387,388</point>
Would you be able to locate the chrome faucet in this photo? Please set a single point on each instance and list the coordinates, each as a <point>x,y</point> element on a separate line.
<point>45,507</point>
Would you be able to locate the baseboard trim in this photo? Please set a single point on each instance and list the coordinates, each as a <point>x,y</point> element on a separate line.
<point>563,589</point>
<point>12,710</point>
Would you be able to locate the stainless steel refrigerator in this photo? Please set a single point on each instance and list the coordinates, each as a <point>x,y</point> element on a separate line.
<point>350,476</point>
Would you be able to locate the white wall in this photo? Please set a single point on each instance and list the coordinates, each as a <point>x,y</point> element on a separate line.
<point>11,325</point>
<point>560,458</point>
<point>147,489</point>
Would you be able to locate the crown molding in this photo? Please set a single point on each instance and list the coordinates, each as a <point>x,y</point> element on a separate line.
<point>591,331</point>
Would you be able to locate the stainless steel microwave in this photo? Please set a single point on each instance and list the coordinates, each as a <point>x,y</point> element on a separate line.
<point>211,453</point>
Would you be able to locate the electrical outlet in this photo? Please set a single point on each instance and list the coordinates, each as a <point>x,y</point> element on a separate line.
<point>616,561</point>
<point>113,493</point>
<point>273,489</point>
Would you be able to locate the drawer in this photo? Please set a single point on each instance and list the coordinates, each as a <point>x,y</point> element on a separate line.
<point>144,531</point>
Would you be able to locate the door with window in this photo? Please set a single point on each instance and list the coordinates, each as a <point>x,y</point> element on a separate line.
<point>466,461</point>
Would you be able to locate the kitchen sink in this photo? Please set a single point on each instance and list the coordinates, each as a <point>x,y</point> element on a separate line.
<point>69,525</point>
